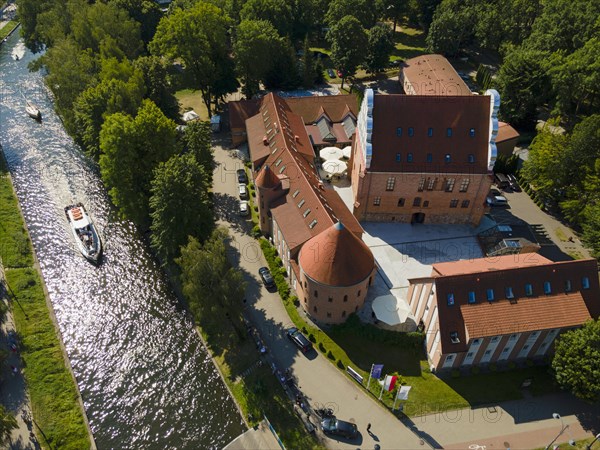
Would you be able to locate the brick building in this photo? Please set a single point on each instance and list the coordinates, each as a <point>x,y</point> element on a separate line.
<point>500,309</point>
<point>424,158</point>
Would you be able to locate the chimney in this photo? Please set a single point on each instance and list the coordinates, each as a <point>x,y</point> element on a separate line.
<point>265,140</point>
<point>297,138</point>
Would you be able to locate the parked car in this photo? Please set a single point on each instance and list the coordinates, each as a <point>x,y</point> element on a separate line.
<point>243,190</point>
<point>496,200</point>
<point>299,339</point>
<point>332,425</point>
<point>340,74</point>
<point>242,177</point>
<point>244,208</point>
<point>514,184</point>
<point>331,73</point>
<point>266,277</point>
<point>502,181</point>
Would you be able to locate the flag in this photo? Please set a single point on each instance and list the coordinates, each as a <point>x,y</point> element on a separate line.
<point>403,393</point>
<point>376,370</point>
<point>390,382</point>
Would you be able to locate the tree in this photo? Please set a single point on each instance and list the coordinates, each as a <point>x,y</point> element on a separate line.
<point>421,12</point>
<point>348,41</point>
<point>180,205</point>
<point>131,149</point>
<point>379,48</point>
<point>576,362</point>
<point>283,73</point>
<point>146,12</point>
<point>197,141</point>
<point>395,10</point>
<point>277,12</point>
<point>591,228</point>
<point>7,424</point>
<point>363,10</point>
<point>199,37</point>
<point>159,88</point>
<point>451,28</point>
<point>254,46</point>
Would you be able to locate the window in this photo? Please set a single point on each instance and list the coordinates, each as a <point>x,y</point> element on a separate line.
<point>472,132</point>
<point>401,201</point>
<point>509,292</point>
<point>506,349</point>
<point>453,203</point>
<point>476,342</point>
<point>358,295</point>
<point>529,290</point>
<point>409,157</point>
<point>421,185</point>
<point>490,295</point>
<point>448,132</point>
<point>399,131</point>
<point>585,283</point>
<point>454,337</point>
<point>568,287</point>
<point>417,201</point>
<point>431,183</point>
<point>343,313</point>
<point>296,192</point>
<point>465,204</point>
<point>495,339</point>
<point>471,158</point>
<point>330,299</point>
<point>314,308</point>
<point>390,184</point>
<point>278,162</point>
<point>487,352</point>
<point>328,314</point>
<point>447,158</point>
<point>513,337</point>
<point>398,157</point>
<point>306,213</point>
<point>430,132</point>
<point>472,298</point>
<point>470,355</point>
<point>429,157</point>
<point>282,169</point>
<point>377,201</point>
<point>301,203</point>
<point>449,187</point>
<point>345,298</point>
<point>450,299</point>
<point>464,185</point>
<point>312,224</point>
<point>425,203</point>
<point>411,131</point>
<point>316,293</point>
<point>526,346</point>
<point>547,288</point>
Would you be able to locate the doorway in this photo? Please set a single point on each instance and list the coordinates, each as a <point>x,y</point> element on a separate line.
<point>418,218</point>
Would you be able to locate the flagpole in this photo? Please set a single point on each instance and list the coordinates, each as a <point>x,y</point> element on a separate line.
<point>369,382</point>
<point>396,399</point>
<point>381,393</point>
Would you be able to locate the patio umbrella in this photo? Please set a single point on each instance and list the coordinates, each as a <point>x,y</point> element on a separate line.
<point>190,115</point>
<point>347,151</point>
<point>334,167</point>
<point>390,310</point>
<point>330,153</point>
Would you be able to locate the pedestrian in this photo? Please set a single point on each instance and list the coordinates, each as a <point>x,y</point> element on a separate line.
<point>368,428</point>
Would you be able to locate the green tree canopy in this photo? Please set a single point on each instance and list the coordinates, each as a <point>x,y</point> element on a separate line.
<point>197,141</point>
<point>277,12</point>
<point>180,205</point>
<point>131,149</point>
<point>146,12</point>
<point>576,362</point>
<point>159,88</point>
<point>452,27</point>
<point>283,73</point>
<point>199,37</point>
<point>379,49</point>
<point>364,10</point>
<point>7,425</point>
<point>348,41</point>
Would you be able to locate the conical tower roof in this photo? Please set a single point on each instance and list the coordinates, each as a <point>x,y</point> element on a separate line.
<point>266,178</point>
<point>336,257</point>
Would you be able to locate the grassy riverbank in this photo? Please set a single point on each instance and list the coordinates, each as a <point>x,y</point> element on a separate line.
<point>54,399</point>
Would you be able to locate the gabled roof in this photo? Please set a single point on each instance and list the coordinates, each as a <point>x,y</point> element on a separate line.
<point>266,178</point>
<point>325,130</point>
<point>335,106</point>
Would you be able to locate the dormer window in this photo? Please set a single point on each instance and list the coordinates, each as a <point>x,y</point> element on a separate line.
<point>312,224</point>
<point>454,337</point>
<point>306,213</point>
<point>296,192</point>
<point>301,203</point>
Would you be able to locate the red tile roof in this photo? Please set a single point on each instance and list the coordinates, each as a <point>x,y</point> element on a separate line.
<point>433,75</point>
<point>466,266</point>
<point>335,106</point>
<point>336,257</point>
<point>241,110</point>
<point>266,178</point>
<point>421,112</point>
<point>527,314</point>
<point>506,132</point>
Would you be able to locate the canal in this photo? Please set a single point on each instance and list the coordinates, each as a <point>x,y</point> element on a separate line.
<point>145,378</point>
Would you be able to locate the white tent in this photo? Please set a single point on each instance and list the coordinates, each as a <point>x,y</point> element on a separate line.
<point>346,152</point>
<point>334,167</point>
<point>330,153</point>
<point>190,115</point>
<point>390,310</point>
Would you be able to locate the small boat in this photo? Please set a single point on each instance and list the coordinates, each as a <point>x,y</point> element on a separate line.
<point>84,232</point>
<point>33,111</point>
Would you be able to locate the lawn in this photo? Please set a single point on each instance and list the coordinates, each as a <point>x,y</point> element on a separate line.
<point>191,99</point>
<point>410,42</point>
<point>7,28</point>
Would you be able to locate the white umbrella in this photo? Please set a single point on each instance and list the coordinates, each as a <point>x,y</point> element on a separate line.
<point>330,153</point>
<point>347,151</point>
<point>390,310</point>
<point>334,166</point>
<point>190,115</point>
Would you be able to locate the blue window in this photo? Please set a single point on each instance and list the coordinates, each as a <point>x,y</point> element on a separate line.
<point>450,298</point>
<point>398,157</point>
<point>471,158</point>
<point>409,157</point>
<point>472,297</point>
<point>547,287</point>
<point>449,132</point>
<point>430,132</point>
<point>399,131</point>
<point>509,292</point>
<point>585,283</point>
<point>490,295</point>
<point>568,286</point>
<point>429,157</point>
<point>528,290</point>
<point>447,158</point>
<point>472,132</point>
<point>411,131</point>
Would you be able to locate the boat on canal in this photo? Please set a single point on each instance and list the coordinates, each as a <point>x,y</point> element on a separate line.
<point>33,111</point>
<point>85,234</point>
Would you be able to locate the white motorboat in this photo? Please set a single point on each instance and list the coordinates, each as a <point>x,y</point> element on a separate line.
<point>85,234</point>
<point>33,111</point>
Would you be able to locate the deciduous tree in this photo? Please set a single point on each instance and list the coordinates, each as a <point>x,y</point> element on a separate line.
<point>364,10</point>
<point>348,42</point>
<point>379,48</point>
<point>277,12</point>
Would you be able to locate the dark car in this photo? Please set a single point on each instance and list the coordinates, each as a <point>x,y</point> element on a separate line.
<point>299,339</point>
<point>266,277</point>
<point>242,177</point>
<point>514,184</point>
<point>331,425</point>
<point>331,73</point>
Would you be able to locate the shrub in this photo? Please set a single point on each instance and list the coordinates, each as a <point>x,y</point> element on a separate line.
<point>278,261</point>
<point>330,355</point>
<point>256,231</point>
<point>255,207</point>
<point>322,347</point>
<point>340,364</point>
<point>455,373</point>
<point>311,337</point>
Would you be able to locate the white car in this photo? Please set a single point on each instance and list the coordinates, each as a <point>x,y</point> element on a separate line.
<point>242,190</point>
<point>244,208</point>
<point>496,200</point>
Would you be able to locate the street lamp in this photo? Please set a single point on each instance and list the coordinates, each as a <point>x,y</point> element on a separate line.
<point>589,446</point>
<point>563,427</point>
